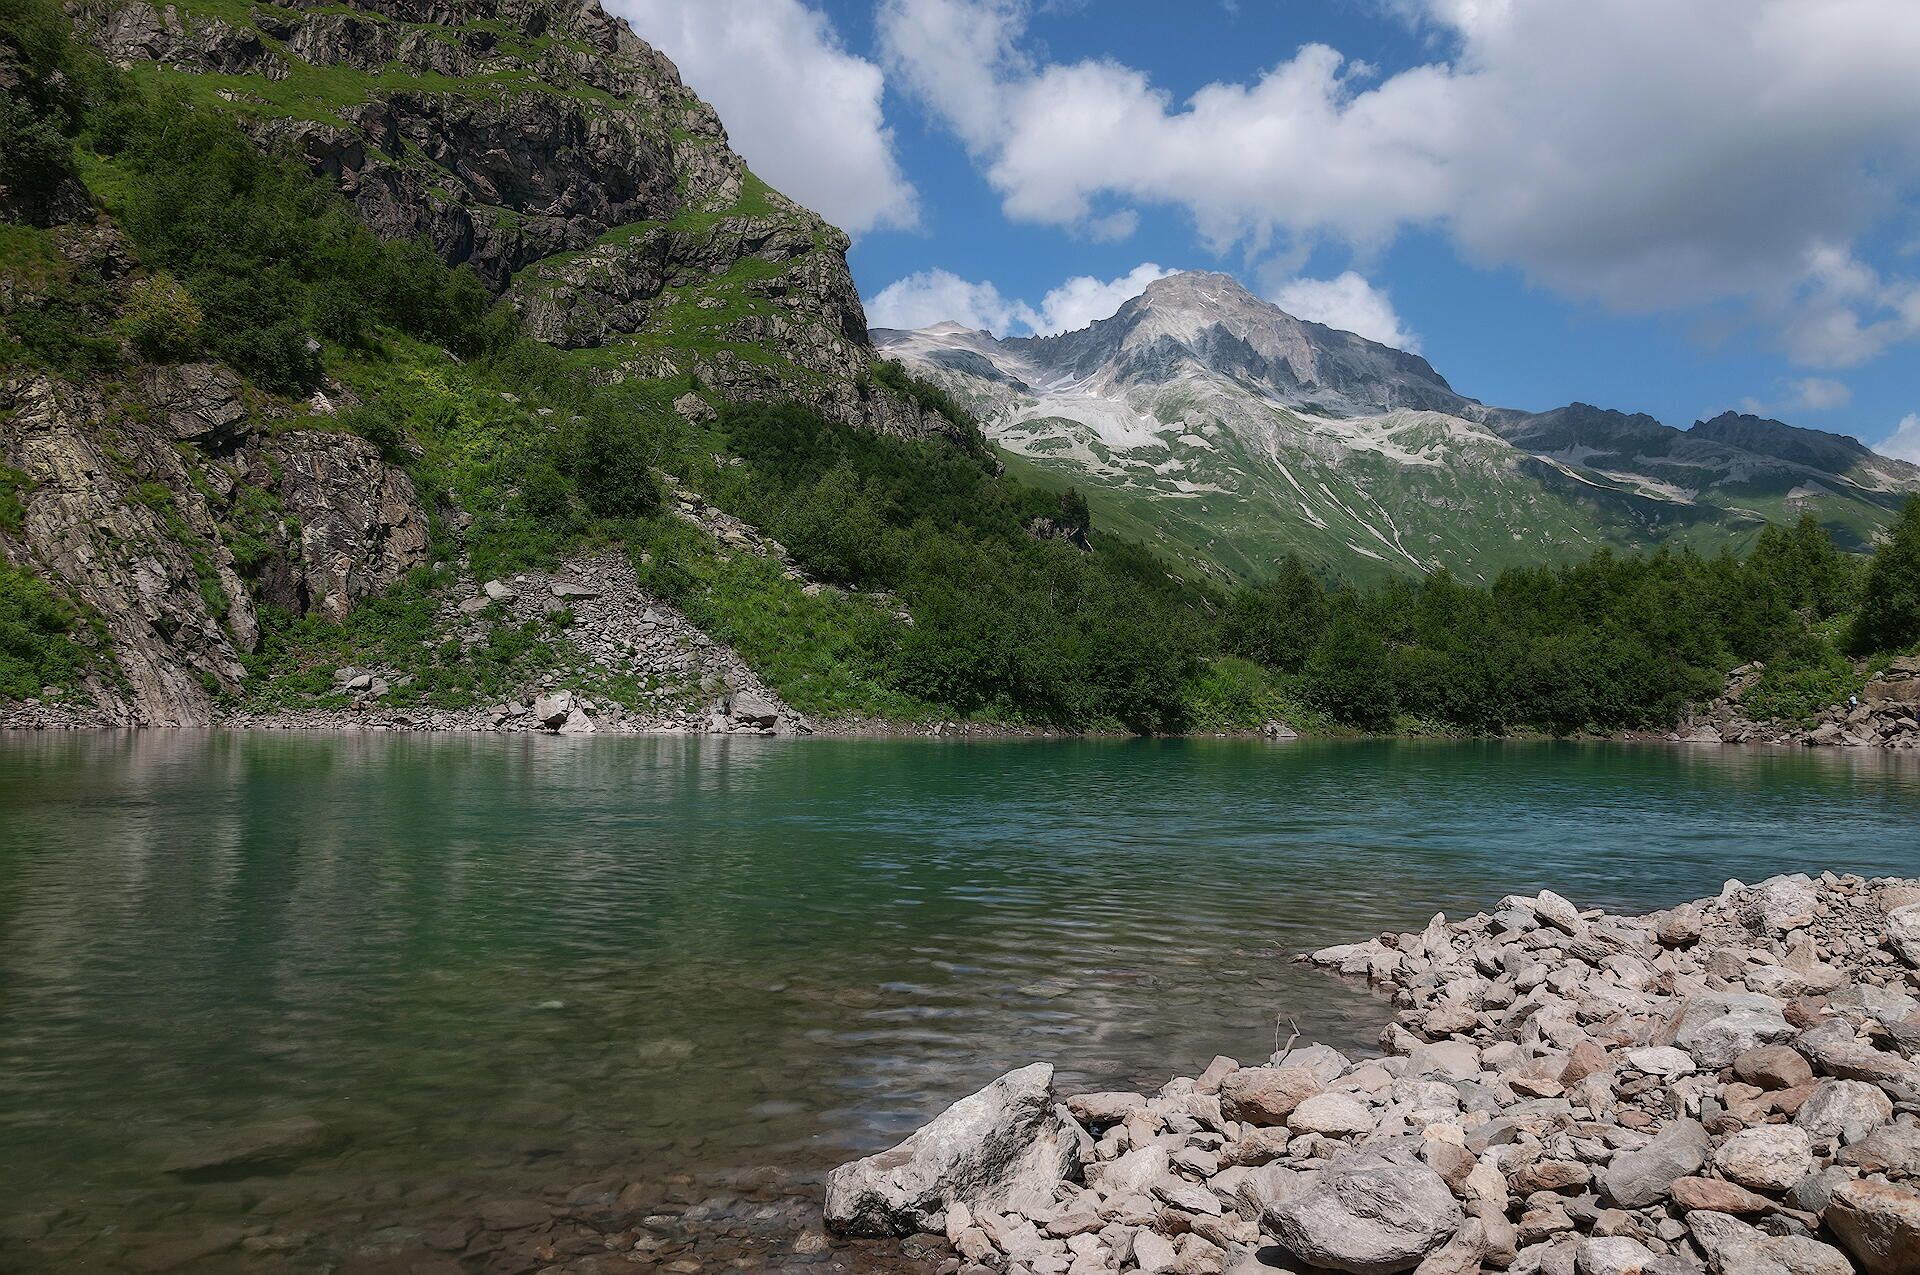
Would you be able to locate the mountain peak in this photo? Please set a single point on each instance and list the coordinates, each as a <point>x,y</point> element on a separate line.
<point>1834,453</point>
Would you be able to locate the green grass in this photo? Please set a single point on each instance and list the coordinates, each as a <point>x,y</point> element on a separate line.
<point>294,666</point>
<point>1231,694</point>
<point>14,487</point>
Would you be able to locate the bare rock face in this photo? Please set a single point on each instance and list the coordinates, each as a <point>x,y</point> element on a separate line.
<point>135,491</point>
<point>1010,1144</point>
<point>115,522</point>
<point>362,526</point>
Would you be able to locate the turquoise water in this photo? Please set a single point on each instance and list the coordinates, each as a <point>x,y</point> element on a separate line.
<point>495,963</point>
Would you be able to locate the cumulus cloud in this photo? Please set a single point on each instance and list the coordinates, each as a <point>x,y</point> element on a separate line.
<point>937,296</point>
<point>1807,394</point>
<point>1844,313</point>
<point>1641,153</point>
<point>928,297</point>
<point>1081,300</point>
<point>1349,302</point>
<point>803,111</point>
<point>1904,442</point>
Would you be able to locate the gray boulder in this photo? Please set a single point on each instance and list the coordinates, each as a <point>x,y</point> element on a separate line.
<point>1372,1221</point>
<point>1005,1147</point>
<point>1718,1027</point>
<point>1734,1248</point>
<point>552,711</point>
<point>1640,1178</point>
<point>1903,933</point>
<point>1845,1109</point>
<point>750,708</point>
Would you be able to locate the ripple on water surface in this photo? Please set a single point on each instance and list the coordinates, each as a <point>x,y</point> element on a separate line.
<point>500,964</point>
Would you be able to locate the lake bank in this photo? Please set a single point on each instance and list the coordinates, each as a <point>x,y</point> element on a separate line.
<point>1729,1085</point>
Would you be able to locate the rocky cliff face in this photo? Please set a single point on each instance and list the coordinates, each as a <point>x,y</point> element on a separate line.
<point>169,501</point>
<point>547,146</point>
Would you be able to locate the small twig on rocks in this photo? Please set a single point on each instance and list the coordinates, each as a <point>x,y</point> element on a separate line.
<point>1281,1051</point>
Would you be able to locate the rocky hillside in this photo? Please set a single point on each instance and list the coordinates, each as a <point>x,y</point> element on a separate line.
<point>143,496</point>
<point>169,487</point>
<point>1205,420</point>
<point>544,144</point>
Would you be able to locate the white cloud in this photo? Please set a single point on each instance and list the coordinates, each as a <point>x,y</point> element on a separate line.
<point>802,111</point>
<point>937,296</point>
<point>1820,394</point>
<point>1641,153</point>
<point>1904,442</point>
<point>1350,303</point>
<point>1844,313</point>
<point>1079,301</point>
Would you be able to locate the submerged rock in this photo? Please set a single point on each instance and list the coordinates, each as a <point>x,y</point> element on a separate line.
<point>277,1142</point>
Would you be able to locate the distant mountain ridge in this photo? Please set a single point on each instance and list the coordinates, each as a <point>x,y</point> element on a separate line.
<point>1228,431</point>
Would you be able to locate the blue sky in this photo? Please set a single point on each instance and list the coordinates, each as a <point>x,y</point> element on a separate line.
<point>1675,209</point>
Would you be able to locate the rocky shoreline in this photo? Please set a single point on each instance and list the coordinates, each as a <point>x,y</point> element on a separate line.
<point>1728,1086</point>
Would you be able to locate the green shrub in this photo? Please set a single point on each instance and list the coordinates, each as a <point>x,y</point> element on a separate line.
<point>161,319</point>
<point>37,631</point>
<point>1801,680</point>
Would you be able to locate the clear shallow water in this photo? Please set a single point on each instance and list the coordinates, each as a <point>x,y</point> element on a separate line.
<point>495,965</point>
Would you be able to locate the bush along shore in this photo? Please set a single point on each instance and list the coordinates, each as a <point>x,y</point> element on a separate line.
<point>1729,1086</point>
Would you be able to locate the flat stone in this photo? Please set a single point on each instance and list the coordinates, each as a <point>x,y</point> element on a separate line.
<point>1104,1108</point>
<point>513,1214</point>
<point>1661,1060</point>
<point>1638,1178</point>
<point>1332,1114</point>
<point>1773,1067</point>
<point>568,589</point>
<point>1717,1196</point>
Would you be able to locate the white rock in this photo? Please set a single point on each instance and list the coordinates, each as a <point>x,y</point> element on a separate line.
<point>1008,1143</point>
<point>1661,1060</point>
<point>1768,1158</point>
<point>1334,1114</point>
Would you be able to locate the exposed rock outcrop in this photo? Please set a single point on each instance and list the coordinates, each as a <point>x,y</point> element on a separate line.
<point>1885,714</point>
<point>138,485</point>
